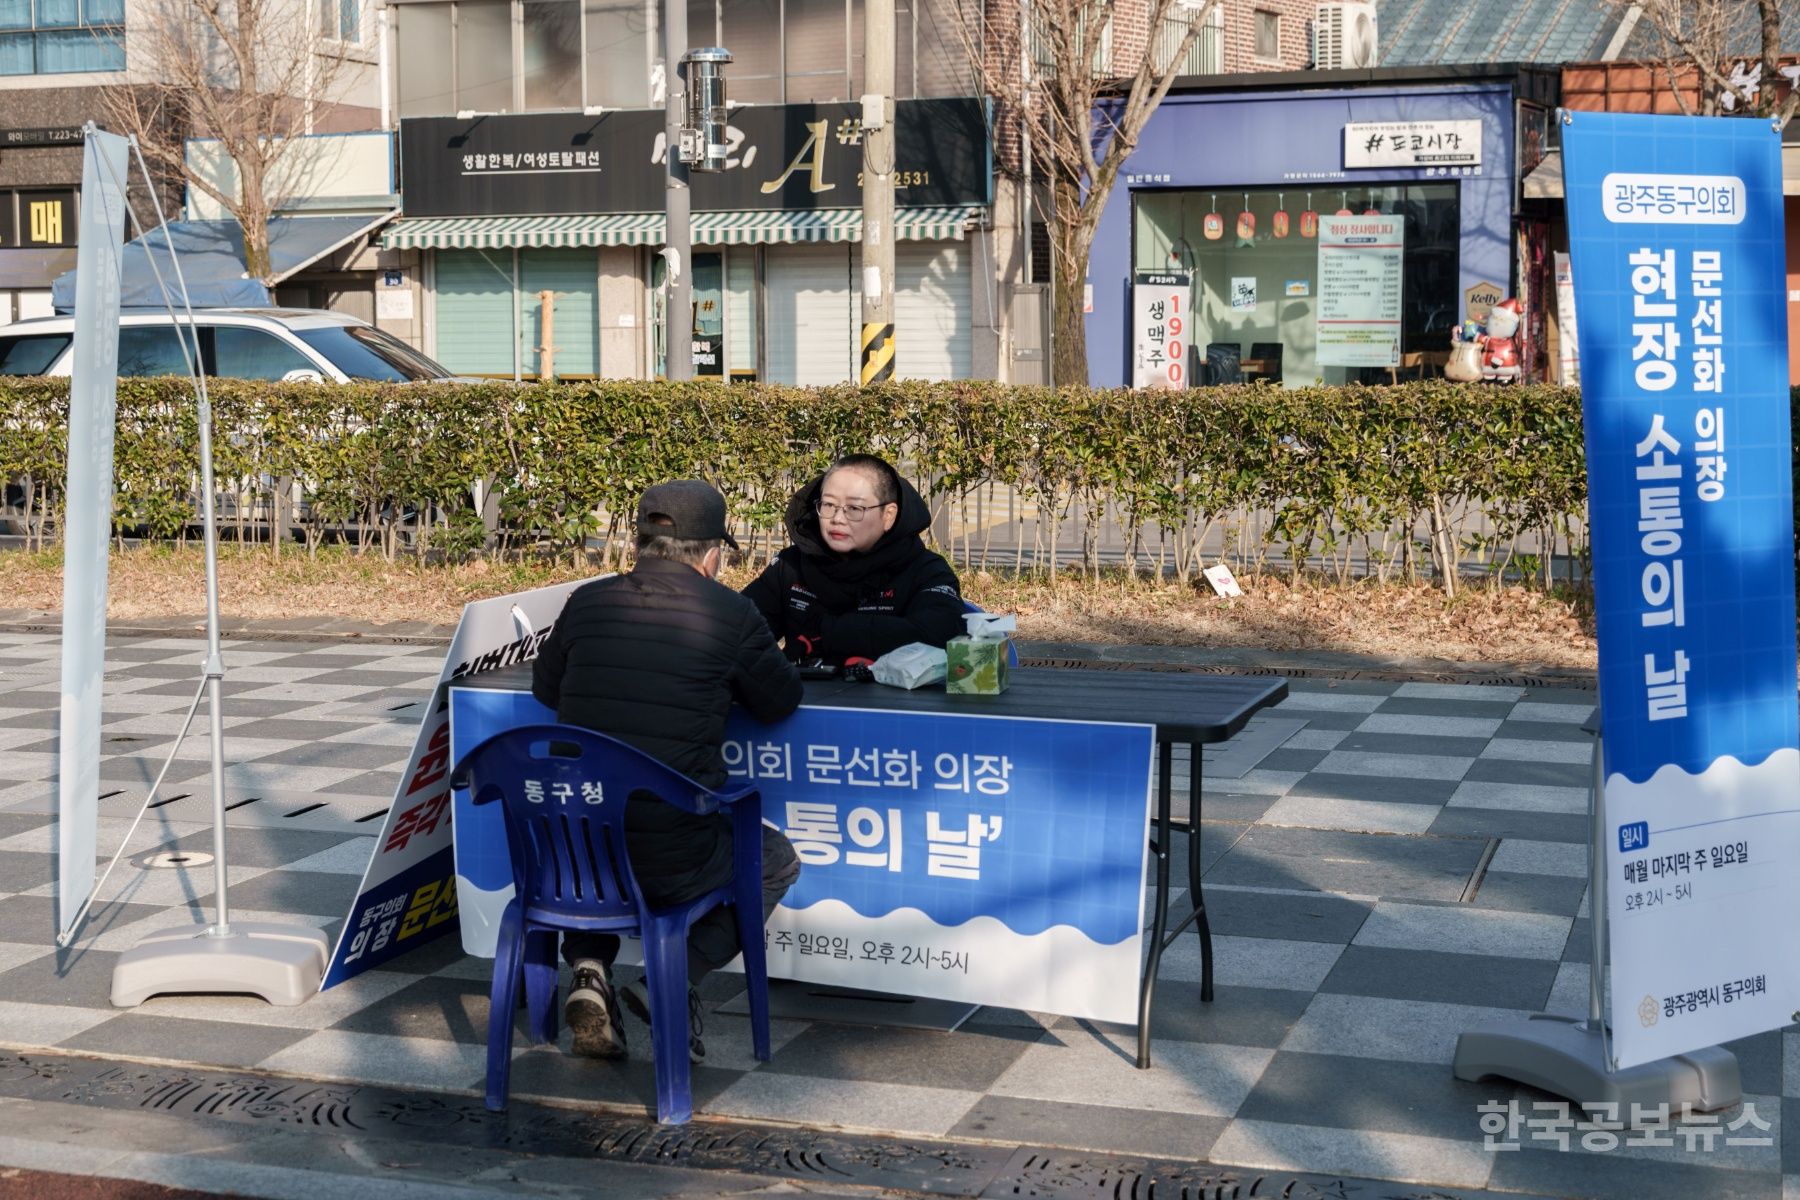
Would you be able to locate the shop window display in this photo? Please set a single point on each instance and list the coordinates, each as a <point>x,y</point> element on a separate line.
<point>1253,256</point>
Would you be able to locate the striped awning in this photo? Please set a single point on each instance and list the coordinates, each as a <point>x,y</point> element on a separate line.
<point>646,229</point>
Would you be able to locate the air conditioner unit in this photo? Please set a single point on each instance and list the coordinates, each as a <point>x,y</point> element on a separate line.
<point>1344,35</point>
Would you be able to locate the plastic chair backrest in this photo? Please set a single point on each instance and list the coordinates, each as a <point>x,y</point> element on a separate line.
<point>562,791</point>
<point>1012,651</point>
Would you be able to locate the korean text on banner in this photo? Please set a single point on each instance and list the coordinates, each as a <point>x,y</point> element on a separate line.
<point>1161,334</point>
<point>1675,228</point>
<point>88,523</point>
<point>985,860</point>
<point>408,894</point>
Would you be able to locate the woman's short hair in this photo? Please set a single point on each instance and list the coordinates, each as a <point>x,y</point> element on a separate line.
<point>887,480</point>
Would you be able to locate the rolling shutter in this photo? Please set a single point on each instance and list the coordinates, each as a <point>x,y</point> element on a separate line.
<point>810,315</point>
<point>932,310</point>
<point>475,312</point>
<point>574,276</point>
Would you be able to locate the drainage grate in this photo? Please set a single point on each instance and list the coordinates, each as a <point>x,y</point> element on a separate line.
<point>895,1164</point>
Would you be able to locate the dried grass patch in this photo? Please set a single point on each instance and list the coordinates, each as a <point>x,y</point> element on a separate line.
<point>1482,624</point>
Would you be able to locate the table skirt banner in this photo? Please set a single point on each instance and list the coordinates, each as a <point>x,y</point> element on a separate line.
<point>1676,244</point>
<point>408,895</point>
<point>987,860</point>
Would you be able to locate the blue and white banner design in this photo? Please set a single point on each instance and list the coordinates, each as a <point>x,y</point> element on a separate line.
<point>980,859</point>
<point>1675,229</point>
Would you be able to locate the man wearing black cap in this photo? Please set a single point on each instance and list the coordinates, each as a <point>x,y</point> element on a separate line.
<point>655,658</point>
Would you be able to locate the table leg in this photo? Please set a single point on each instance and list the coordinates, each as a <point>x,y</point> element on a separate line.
<point>1194,892</point>
<point>1160,845</point>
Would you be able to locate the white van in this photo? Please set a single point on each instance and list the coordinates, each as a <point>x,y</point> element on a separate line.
<point>238,343</point>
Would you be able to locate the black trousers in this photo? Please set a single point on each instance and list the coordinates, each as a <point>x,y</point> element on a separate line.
<point>713,939</point>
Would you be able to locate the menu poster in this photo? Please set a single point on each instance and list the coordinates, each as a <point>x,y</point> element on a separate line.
<point>1360,270</point>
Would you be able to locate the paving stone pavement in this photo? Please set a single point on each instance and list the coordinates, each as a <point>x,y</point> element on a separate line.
<point>1345,841</point>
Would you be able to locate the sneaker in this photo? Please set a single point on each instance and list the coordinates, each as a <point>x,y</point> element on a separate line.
<point>592,1014</point>
<point>637,999</point>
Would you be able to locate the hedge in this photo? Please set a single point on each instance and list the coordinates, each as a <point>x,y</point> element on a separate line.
<point>1401,477</point>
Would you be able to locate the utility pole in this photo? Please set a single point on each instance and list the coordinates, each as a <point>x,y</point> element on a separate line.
<point>878,340</point>
<point>678,313</point>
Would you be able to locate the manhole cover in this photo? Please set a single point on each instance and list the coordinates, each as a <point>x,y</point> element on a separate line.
<point>175,859</point>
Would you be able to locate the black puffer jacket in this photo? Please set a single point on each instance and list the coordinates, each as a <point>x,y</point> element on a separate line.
<point>862,604</point>
<point>655,658</point>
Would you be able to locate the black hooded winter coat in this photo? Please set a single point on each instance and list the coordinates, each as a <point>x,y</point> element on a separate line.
<point>832,606</point>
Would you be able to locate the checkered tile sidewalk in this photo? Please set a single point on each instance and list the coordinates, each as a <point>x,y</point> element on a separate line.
<point>1353,940</point>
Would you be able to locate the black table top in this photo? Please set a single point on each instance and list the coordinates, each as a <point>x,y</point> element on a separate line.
<point>1183,707</point>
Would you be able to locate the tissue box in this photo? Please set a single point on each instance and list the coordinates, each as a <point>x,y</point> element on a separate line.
<point>976,666</point>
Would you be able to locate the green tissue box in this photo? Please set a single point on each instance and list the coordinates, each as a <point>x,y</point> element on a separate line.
<point>975,666</point>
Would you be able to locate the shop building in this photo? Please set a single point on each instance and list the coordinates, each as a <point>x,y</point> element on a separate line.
<point>532,175</point>
<point>540,231</point>
<point>1232,175</point>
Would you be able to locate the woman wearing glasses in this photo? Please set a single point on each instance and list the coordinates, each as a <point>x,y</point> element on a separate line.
<point>857,580</point>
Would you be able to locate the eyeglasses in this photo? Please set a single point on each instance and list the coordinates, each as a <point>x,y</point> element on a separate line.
<point>852,512</point>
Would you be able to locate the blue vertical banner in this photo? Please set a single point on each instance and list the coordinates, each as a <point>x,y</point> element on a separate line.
<point>1675,234</point>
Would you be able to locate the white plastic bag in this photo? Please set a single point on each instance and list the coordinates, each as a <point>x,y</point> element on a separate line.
<point>911,666</point>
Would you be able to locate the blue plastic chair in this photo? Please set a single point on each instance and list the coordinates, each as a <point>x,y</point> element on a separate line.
<point>562,791</point>
<point>1012,651</point>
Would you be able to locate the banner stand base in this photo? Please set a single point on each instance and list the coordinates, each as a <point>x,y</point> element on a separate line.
<point>281,963</point>
<point>1564,1055</point>
<point>794,1000</point>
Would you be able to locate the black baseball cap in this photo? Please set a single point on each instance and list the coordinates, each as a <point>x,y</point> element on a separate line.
<point>684,508</point>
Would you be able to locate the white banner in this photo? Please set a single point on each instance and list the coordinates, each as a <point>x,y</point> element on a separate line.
<point>1412,144</point>
<point>1361,266</point>
<point>1568,343</point>
<point>408,887</point>
<point>88,523</point>
<point>1161,329</point>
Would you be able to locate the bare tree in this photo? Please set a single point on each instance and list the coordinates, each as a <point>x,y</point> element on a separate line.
<point>1700,42</point>
<point>249,73</point>
<point>1046,63</point>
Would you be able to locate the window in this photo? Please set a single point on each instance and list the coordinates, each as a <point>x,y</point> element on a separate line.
<point>1260,295</point>
<point>1205,54</point>
<point>363,352</point>
<point>1268,36</point>
<point>341,20</point>
<point>151,350</point>
<point>422,38</point>
<point>32,355</point>
<point>552,53</point>
<point>53,37</point>
<point>753,35</point>
<point>484,75</point>
<point>620,51</point>
<point>240,353</point>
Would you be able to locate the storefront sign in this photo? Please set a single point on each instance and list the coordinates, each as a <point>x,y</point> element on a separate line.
<point>46,219</point>
<point>935,850</point>
<point>409,889</point>
<point>1160,304</point>
<point>1412,144</point>
<point>1481,297</point>
<point>62,135</point>
<point>1361,266</point>
<point>796,156</point>
<point>1675,229</point>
